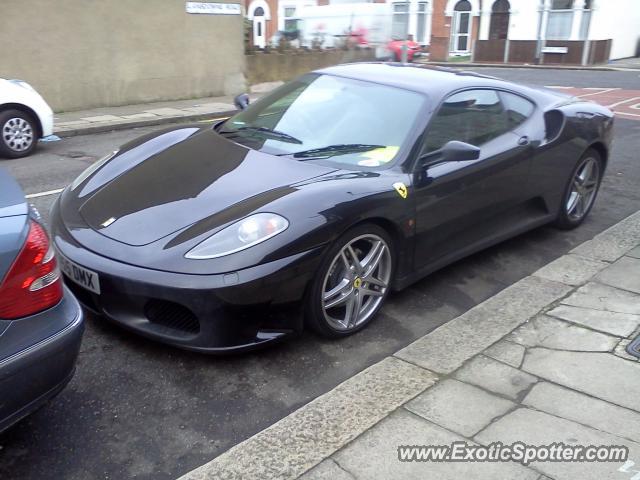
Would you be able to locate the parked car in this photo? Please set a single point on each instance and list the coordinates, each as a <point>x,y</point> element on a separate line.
<point>414,50</point>
<point>25,117</point>
<point>326,194</point>
<point>41,323</point>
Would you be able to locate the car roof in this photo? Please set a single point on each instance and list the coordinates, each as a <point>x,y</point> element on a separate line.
<point>427,79</point>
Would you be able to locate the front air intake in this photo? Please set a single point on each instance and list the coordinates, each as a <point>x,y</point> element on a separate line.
<point>171,315</point>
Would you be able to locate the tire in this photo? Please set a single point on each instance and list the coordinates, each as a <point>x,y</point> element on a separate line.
<point>18,134</point>
<point>577,200</point>
<point>363,286</point>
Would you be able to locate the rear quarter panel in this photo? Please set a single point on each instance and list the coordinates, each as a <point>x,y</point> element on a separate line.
<point>13,220</point>
<point>13,233</point>
<point>585,124</point>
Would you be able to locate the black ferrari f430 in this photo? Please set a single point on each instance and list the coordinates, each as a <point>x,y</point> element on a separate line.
<point>310,205</point>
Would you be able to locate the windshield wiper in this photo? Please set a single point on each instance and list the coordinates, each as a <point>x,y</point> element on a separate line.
<point>331,150</point>
<point>267,132</point>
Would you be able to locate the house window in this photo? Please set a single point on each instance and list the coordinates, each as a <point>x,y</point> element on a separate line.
<point>560,20</point>
<point>586,20</point>
<point>400,25</point>
<point>290,23</point>
<point>422,23</point>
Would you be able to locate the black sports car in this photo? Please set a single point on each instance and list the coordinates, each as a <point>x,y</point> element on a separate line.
<point>310,205</point>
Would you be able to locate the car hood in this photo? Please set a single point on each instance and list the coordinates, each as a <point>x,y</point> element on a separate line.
<point>177,179</point>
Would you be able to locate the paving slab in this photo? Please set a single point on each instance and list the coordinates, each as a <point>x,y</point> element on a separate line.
<point>140,116</point>
<point>507,352</point>
<point>619,324</point>
<point>571,269</point>
<point>72,123</point>
<point>584,409</point>
<point>635,253</point>
<point>604,297</point>
<point>548,332</point>
<point>624,274</point>
<point>374,455</point>
<point>102,118</point>
<point>327,470</point>
<point>167,112</point>
<point>496,377</point>
<point>601,375</point>
<point>614,242</point>
<point>304,438</point>
<point>446,348</point>
<point>459,407</point>
<point>539,428</point>
<point>210,108</point>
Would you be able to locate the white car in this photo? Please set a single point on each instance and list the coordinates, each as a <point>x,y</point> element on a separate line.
<point>24,118</point>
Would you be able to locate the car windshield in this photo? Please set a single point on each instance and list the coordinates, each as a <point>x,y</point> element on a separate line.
<point>351,122</point>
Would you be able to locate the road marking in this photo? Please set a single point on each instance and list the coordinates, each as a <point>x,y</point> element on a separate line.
<point>623,101</point>
<point>625,113</point>
<point>44,194</point>
<point>606,90</point>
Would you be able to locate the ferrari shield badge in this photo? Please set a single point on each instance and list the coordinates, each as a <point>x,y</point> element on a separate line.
<point>401,188</point>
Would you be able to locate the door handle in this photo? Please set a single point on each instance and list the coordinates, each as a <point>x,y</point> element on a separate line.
<point>522,141</point>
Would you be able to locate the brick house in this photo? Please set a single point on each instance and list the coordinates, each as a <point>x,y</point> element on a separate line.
<point>590,29</point>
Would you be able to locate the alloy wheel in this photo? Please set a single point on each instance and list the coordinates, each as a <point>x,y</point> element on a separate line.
<point>583,189</point>
<point>356,282</point>
<point>17,134</point>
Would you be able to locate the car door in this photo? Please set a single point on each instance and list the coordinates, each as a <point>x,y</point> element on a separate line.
<point>460,205</point>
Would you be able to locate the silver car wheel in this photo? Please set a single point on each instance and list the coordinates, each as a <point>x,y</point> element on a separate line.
<point>583,189</point>
<point>356,282</point>
<point>17,134</point>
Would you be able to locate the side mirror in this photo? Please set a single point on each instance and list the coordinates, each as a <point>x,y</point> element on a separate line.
<point>241,101</point>
<point>453,151</point>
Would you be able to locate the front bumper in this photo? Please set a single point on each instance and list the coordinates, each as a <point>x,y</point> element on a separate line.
<point>38,372</point>
<point>221,313</point>
<point>46,120</point>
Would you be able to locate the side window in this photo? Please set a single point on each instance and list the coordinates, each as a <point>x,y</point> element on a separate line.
<point>472,116</point>
<point>517,109</point>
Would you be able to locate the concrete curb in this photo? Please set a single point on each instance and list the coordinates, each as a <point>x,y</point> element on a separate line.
<point>125,125</point>
<point>303,439</point>
<point>534,67</point>
<point>297,443</point>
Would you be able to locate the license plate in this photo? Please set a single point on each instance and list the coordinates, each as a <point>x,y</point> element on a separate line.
<point>80,275</point>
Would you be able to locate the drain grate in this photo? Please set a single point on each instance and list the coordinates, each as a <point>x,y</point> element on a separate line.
<point>634,347</point>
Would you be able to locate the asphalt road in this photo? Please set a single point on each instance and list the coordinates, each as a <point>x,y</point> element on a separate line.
<point>627,79</point>
<point>137,409</point>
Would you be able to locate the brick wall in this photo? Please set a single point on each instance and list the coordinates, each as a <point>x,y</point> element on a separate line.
<point>440,31</point>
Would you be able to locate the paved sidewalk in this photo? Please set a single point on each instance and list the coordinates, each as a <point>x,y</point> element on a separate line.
<point>626,63</point>
<point>543,361</point>
<point>105,119</point>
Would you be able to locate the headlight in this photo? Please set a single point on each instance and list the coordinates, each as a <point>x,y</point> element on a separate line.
<point>238,236</point>
<point>89,171</point>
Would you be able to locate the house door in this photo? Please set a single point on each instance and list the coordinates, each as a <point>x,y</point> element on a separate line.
<point>499,26</point>
<point>259,27</point>
<point>461,28</point>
